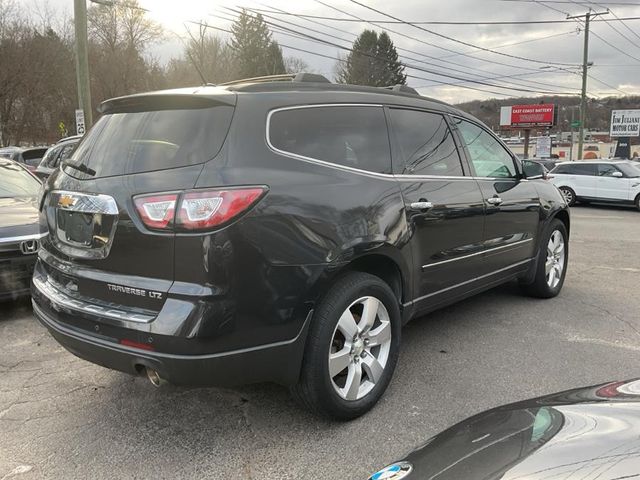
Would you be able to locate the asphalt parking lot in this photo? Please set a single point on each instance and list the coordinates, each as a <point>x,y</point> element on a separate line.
<point>61,417</point>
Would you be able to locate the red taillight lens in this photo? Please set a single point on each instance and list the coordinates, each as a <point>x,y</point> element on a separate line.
<point>141,346</point>
<point>156,211</point>
<point>197,209</point>
<point>201,210</point>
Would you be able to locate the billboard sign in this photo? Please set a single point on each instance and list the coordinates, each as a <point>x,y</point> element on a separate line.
<point>527,116</point>
<point>625,123</point>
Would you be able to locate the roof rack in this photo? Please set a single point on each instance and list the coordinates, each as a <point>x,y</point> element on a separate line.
<point>402,89</point>
<point>286,77</point>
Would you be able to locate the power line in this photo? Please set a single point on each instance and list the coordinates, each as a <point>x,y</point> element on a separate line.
<point>418,53</point>
<point>415,39</point>
<point>569,2</point>
<point>342,60</point>
<point>462,42</point>
<point>414,67</point>
<point>434,22</point>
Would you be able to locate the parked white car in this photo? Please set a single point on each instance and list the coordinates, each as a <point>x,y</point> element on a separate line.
<point>615,182</point>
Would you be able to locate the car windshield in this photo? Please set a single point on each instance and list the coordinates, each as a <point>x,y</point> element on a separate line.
<point>16,182</point>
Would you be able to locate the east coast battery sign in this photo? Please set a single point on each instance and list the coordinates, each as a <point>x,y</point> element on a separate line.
<point>527,116</point>
<point>625,123</point>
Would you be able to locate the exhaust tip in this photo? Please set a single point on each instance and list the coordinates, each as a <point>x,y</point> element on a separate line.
<point>154,377</point>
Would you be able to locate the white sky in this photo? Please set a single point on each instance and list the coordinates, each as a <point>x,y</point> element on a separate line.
<point>613,67</point>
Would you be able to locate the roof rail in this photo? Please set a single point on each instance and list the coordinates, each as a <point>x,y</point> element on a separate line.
<point>285,77</point>
<point>310,77</point>
<point>402,89</point>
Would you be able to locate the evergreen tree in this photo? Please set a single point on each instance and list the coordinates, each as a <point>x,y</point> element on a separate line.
<point>373,61</point>
<point>391,70</point>
<point>255,52</point>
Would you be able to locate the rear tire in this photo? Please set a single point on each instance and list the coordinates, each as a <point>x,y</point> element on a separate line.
<point>638,202</point>
<point>551,264</point>
<point>569,195</point>
<point>350,356</point>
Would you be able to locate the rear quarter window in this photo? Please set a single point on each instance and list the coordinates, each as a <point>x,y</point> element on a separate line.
<point>349,136</point>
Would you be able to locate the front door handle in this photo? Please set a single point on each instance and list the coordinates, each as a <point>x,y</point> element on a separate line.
<point>421,205</point>
<point>495,200</point>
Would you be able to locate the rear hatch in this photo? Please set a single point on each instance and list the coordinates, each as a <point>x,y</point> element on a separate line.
<point>99,249</point>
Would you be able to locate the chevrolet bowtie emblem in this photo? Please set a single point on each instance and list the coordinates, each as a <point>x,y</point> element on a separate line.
<point>66,201</point>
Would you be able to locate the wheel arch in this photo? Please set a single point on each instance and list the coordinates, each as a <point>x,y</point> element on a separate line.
<point>563,216</point>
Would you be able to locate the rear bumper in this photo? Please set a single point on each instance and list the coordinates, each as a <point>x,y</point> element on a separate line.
<point>278,362</point>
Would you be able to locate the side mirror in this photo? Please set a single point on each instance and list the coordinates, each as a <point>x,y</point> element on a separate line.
<point>617,174</point>
<point>532,170</point>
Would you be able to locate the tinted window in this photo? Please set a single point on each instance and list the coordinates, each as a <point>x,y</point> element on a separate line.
<point>425,144</point>
<point>134,142</point>
<point>488,156</point>
<point>606,170</point>
<point>576,169</point>
<point>33,157</point>
<point>16,182</point>
<point>350,136</point>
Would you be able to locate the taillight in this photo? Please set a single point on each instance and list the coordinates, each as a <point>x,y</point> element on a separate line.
<point>196,210</point>
<point>206,209</point>
<point>156,211</point>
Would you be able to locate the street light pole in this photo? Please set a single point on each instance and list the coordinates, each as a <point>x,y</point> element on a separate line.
<point>585,70</point>
<point>82,61</point>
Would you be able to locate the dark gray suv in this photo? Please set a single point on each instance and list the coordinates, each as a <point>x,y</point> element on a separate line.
<point>284,229</point>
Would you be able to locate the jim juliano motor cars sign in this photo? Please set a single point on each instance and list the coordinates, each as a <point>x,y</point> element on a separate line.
<point>625,123</point>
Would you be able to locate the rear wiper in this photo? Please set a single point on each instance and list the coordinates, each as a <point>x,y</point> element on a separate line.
<point>81,167</point>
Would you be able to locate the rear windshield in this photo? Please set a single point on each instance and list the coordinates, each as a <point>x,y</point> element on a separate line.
<point>135,142</point>
<point>16,182</point>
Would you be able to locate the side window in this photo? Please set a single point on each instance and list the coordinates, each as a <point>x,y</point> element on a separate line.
<point>425,144</point>
<point>351,136</point>
<point>488,156</point>
<point>562,169</point>
<point>584,169</point>
<point>605,170</point>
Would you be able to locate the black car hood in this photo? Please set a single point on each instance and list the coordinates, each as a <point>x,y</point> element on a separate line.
<point>18,216</point>
<point>591,433</point>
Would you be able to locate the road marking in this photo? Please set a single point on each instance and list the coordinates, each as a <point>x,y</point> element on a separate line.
<point>17,471</point>
<point>619,269</point>
<point>604,343</point>
<point>596,217</point>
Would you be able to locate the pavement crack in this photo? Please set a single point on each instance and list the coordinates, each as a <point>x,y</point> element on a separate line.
<point>617,317</point>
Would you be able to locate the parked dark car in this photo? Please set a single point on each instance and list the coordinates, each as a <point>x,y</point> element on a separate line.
<point>284,231</point>
<point>30,157</point>
<point>19,228</point>
<point>583,433</point>
<point>55,155</point>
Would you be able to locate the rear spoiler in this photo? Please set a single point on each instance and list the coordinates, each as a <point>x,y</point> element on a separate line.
<point>176,100</point>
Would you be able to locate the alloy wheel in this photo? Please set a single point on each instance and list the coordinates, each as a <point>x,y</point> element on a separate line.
<point>554,266</point>
<point>360,348</point>
<point>568,195</point>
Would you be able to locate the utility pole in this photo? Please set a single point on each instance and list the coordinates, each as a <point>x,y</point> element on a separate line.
<point>585,70</point>
<point>82,61</point>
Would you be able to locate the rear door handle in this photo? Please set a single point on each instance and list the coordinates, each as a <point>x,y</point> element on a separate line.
<point>421,205</point>
<point>495,200</point>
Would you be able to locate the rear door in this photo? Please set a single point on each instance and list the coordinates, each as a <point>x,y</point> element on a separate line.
<point>580,177</point>
<point>443,203</point>
<point>153,146</point>
<point>512,203</point>
<point>610,187</point>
